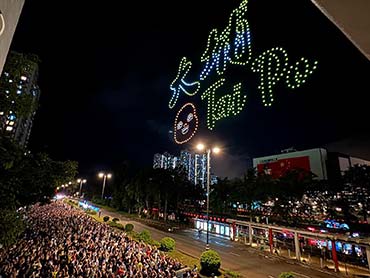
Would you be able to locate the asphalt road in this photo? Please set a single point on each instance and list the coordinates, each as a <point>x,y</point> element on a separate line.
<point>235,256</point>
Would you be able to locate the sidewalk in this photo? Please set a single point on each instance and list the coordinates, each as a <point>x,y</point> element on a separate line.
<point>313,262</point>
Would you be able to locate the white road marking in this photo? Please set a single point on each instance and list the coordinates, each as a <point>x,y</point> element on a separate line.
<point>234,254</point>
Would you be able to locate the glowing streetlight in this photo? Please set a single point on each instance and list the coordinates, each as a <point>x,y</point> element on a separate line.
<point>216,150</point>
<point>200,147</point>
<point>81,181</point>
<point>104,176</point>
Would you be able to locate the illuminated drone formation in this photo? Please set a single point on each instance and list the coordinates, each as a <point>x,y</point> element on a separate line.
<point>233,46</point>
<point>186,123</point>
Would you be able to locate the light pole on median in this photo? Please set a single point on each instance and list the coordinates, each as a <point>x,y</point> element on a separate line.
<point>81,181</point>
<point>104,176</point>
<point>216,150</point>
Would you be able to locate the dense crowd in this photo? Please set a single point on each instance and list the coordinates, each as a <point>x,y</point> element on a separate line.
<point>61,241</point>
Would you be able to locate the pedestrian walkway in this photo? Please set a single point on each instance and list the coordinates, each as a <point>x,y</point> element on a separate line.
<point>311,261</point>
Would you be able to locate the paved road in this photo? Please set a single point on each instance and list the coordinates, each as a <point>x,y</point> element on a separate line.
<point>236,257</point>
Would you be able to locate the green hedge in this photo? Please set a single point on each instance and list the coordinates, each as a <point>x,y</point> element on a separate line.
<point>91,212</point>
<point>116,225</point>
<point>129,227</point>
<point>210,263</point>
<point>106,218</point>
<point>155,243</point>
<point>167,244</point>
<point>286,275</point>
<point>145,236</point>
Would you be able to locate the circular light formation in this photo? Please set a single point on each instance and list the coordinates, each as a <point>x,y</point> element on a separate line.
<point>2,23</point>
<point>186,123</point>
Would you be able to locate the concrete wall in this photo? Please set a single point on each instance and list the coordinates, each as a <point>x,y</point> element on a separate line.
<point>10,11</point>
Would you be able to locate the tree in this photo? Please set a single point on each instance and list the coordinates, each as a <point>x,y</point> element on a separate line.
<point>210,262</point>
<point>221,196</point>
<point>167,244</point>
<point>24,180</point>
<point>289,191</point>
<point>286,275</point>
<point>357,179</point>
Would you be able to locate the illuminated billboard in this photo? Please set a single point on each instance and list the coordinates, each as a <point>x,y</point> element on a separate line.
<point>313,160</point>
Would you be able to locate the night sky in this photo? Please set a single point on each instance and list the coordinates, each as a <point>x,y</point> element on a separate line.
<point>106,70</point>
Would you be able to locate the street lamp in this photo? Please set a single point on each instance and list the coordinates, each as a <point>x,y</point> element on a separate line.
<point>216,150</point>
<point>104,176</point>
<point>81,181</point>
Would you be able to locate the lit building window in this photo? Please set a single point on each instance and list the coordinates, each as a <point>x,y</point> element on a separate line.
<point>9,128</point>
<point>1,113</point>
<point>11,123</point>
<point>10,81</point>
<point>19,92</point>
<point>24,78</point>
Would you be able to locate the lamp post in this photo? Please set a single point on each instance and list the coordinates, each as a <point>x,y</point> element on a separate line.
<point>81,181</point>
<point>216,150</point>
<point>104,176</point>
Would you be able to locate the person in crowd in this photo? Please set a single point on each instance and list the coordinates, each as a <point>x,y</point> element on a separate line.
<point>63,242</point>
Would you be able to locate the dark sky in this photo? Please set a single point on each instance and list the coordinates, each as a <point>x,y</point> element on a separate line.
<point>106,69</point>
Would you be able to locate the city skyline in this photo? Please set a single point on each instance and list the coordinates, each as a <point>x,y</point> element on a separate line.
<point>112,100</point>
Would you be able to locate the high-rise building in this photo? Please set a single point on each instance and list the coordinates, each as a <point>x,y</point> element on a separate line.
<point>10,11</point>
<point>165,161</point>
<point>19,96</point>
<point>195,165</point>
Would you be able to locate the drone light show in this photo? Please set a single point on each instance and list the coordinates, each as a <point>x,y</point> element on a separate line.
<point>232,46</point>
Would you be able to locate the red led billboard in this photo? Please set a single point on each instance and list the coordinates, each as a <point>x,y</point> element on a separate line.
<point>278,167</point>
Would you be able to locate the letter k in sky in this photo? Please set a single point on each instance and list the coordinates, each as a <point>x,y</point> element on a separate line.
<point>179,84</point>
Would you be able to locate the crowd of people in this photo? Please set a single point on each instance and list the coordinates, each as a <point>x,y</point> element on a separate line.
<point>62,241</point>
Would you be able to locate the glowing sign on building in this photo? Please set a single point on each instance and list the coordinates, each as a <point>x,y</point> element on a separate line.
<point>233,46</point>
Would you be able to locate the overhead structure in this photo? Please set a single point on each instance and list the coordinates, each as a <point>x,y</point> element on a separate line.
<point>10,11</point>
<point>352,17</point>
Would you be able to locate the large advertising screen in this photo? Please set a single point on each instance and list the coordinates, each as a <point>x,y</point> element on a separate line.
<point>279,167</point>
<point>313,160</point>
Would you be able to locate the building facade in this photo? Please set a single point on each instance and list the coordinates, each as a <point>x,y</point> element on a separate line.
<point>19,96</point>
<point>10,12</point>
<point>313,160</point>
<point>325,165</point>
<point>194,164</point>
<point>164,161</point>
